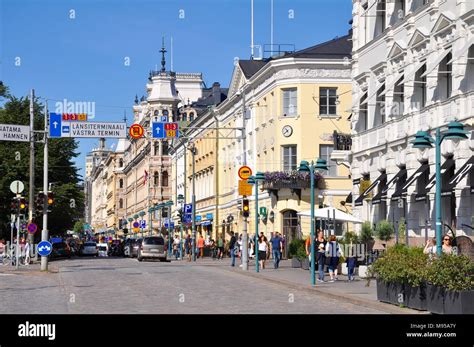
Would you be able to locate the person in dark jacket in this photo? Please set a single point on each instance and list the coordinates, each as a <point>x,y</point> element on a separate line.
<point>232,244</point>
<point>320,251</point>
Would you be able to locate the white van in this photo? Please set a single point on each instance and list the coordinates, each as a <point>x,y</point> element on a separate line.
<point>103,249</point>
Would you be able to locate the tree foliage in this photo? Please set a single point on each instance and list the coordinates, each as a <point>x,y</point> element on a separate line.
<point>14,165</point>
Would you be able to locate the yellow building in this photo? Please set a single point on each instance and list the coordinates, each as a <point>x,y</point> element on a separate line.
<point>296,108</point>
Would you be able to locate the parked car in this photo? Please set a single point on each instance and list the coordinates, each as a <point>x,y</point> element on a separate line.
<point>130,247</point>
<point>61,250</point>
<point>90,248</point>
<point>103,249</point>
<point>152,248</point>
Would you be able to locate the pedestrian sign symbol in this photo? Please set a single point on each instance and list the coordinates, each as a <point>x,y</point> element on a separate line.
<point>44,248</point>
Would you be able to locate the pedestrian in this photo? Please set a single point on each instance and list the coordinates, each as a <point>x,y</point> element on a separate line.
<point>220,247</point>
<point>251,249</point>
<point>351,262</point>
<point>262,251</point>
<point>27,253</point>
<point>176,246</point>
<point>276,243</point>
<point>320,250</point>
<point>2,247</point>
<point>333,252</point>
<point>232,244</point>
<point>447,247</point>
<point>430,248</point>
<point>200,246</point>
<point>188,246</point>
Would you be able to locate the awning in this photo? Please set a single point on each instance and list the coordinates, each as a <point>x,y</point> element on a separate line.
<point>401,177</point>
<point>460,174</point>
<point>421,195</point>
<point>380,180</point>
<point>464,50</point>
<point>402,189</point>
<point>322,213</point>
<point>392,85</point>
<point>349,198</point>
<point>408,77</point>
<point>206,223</point>
<point>436,63</point>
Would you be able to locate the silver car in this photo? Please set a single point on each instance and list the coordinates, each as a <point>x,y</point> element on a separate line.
<point>90,248</point>
<point>152,247</point>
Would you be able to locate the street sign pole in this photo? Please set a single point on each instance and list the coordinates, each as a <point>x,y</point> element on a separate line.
<point>32,164</point>
<point>17,252</point>
<point>245,251</point>
<point>193,152</point>
<point>44,233</point>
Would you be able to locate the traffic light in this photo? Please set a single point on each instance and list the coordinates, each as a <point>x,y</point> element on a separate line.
<point>39,203</point>
<point>245,207</point>
<point>50,201</point>
<point>23,204</point>
<point>14,206</point>
<point>125,231</point>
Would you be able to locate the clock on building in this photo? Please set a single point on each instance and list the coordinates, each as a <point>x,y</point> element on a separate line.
<point>287,130</point>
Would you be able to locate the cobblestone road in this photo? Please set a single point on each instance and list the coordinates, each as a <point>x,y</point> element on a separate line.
<point>122,285</point>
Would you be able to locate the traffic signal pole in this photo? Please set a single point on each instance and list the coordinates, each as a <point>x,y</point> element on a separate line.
<point>44,232</point>
<point>245,243</point>
<point>32,165</point>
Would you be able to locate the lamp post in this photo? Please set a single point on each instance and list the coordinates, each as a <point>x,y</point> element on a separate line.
<point>307,167</point>
<point>130,220</point>
<point>141,214</point>
<point>259,177</point>
<point>168,205</point>
<point>150,219</point>
<point>181,201</point>
<point>424,140</point>
<point>158,208</point>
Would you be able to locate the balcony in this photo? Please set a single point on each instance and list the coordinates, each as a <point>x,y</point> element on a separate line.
<point>342,148</point>
<point>294,180</point>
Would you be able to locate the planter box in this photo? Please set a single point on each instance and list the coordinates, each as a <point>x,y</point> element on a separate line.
<point>295,262</point>
<point>435,298</point>
<point>344,270</point>
<point>305,264</point>
<point>416,297</point>
<point>382,291</point>
<point>363,271</point>
<point>459,302</point>
<point>396,294</point>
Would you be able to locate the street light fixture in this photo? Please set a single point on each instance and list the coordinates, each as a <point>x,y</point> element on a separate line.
<point>158,208</point>
<point>181,201</point>
<point>424,140</point>
<point>259,177</point>
<point>168,205</point>
<point>150,218</point>
<point>305,166</point>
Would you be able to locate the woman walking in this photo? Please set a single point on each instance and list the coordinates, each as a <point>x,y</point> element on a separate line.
<point>333,252</point>
<point>320,251</point>
<point>220,247</point>
<point>262,251</point>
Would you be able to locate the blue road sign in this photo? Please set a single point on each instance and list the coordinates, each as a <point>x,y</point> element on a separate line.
<point>143,223</point>
<point>44,248</point>
<point>167,225</point>
<point>188,208</point>
<point>198,218</point>
<point>55,125</point>
<point>188,218</point>
<point>158,130</point>
<point>164,118</point>
<point>136,224</point>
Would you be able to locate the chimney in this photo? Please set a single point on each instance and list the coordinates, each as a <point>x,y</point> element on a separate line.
<point>102,143</point>
<point>216,92</point>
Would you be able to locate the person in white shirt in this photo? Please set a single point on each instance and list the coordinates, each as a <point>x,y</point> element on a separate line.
<point>430,248</point>
<point>262,251</point>
<point>27,252</point>
<point>177,247</point>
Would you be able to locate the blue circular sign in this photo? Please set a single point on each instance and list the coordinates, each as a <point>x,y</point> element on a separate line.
<point>44,248</point>
<point>136,225</point>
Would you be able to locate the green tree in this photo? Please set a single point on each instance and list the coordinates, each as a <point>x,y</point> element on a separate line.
<point>384,230</point>
<point>68,206</point>
<point>366,234</point>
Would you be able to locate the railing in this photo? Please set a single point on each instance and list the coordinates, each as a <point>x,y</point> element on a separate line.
<point>342,142</point>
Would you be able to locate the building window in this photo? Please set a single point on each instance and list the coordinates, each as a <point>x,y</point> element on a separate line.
<point>467,83</point>
<point>380,23</point>
<point>290,227</point>
<point>155,178</point>
<point>364,18</point>
<point>445,77</point>
<point>417,4</point>
<point>121,183</point>
<point>379,116</point>
<point>363,122</point>
<point>120,162</point>
<point>121,203</point>
<point>289,158</point>
<point>398,11</point>
<point>325,153</point>
<point>419,94</point>
<point>290,102</point>
<point>327,101</point>
<point>191,116</point>
<point>184,117</point>
<point>165,148</point>
<point>164,179</point>
<point>398,99</point>
<point>156,147</point>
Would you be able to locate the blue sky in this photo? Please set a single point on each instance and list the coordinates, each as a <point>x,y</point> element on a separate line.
<point>82,58</point>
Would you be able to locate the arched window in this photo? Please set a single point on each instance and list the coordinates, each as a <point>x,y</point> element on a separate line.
<point>120,162</point>
<point>191,116</point>
<point>155,178</point>
<point>156,148</point>
<point>178,117</point>
<point>121,183</point>
<point>290,226</point>
<point>164,179</point>
<point>165,148</point>
<point>185,117</point>
<point>121,203</point>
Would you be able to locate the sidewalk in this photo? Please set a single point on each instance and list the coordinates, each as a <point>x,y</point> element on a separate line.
<point>356,292</point>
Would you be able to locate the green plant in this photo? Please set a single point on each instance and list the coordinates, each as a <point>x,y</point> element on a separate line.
<point>366,233</point>
<point>384,230</point>
<point>294,246</point>
<point>402,229</point>
<point>301,253</point>
<point>452,272</point>
<point>349,237</point>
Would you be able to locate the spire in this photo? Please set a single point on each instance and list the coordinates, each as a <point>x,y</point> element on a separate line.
<point>163,51</point>
<point>125,112</point>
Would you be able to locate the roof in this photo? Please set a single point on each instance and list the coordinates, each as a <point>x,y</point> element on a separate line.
<point>337,48</point>
<point>251,67</point>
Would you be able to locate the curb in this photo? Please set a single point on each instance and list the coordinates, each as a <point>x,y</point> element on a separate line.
<point>356,301</point>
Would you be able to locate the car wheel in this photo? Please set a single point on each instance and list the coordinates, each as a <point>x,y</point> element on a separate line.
<point>162,259</point>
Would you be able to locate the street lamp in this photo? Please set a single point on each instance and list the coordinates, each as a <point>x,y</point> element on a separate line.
<point>150,218</point>
<point>259,177</point>
<point>141,214</point>
<point>158,208</point>
<point>168,205</point>
<point>307,167</point>
<point>424,140</point>
<point>181,201</point>
<point>130,220</point>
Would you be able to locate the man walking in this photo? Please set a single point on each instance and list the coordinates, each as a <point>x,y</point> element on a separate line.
<point>232,243</point>
<point>277,247</point>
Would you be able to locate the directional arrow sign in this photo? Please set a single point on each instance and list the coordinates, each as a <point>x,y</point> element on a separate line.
<point>12,132</point>
<point>44,248</point>
<point>55,125</point>
<point>158,130</point>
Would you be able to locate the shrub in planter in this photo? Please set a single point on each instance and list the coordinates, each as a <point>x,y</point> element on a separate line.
<point>451,285</point>
<point>384,230</point>
<point>296,247</point>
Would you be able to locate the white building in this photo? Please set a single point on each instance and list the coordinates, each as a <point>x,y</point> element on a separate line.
<point>413,69</point>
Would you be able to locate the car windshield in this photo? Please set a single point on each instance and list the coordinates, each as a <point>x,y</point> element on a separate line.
<point>102,248</point>
<point>59,245</point>
<point>90,244</point>
<point>154,241</point>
